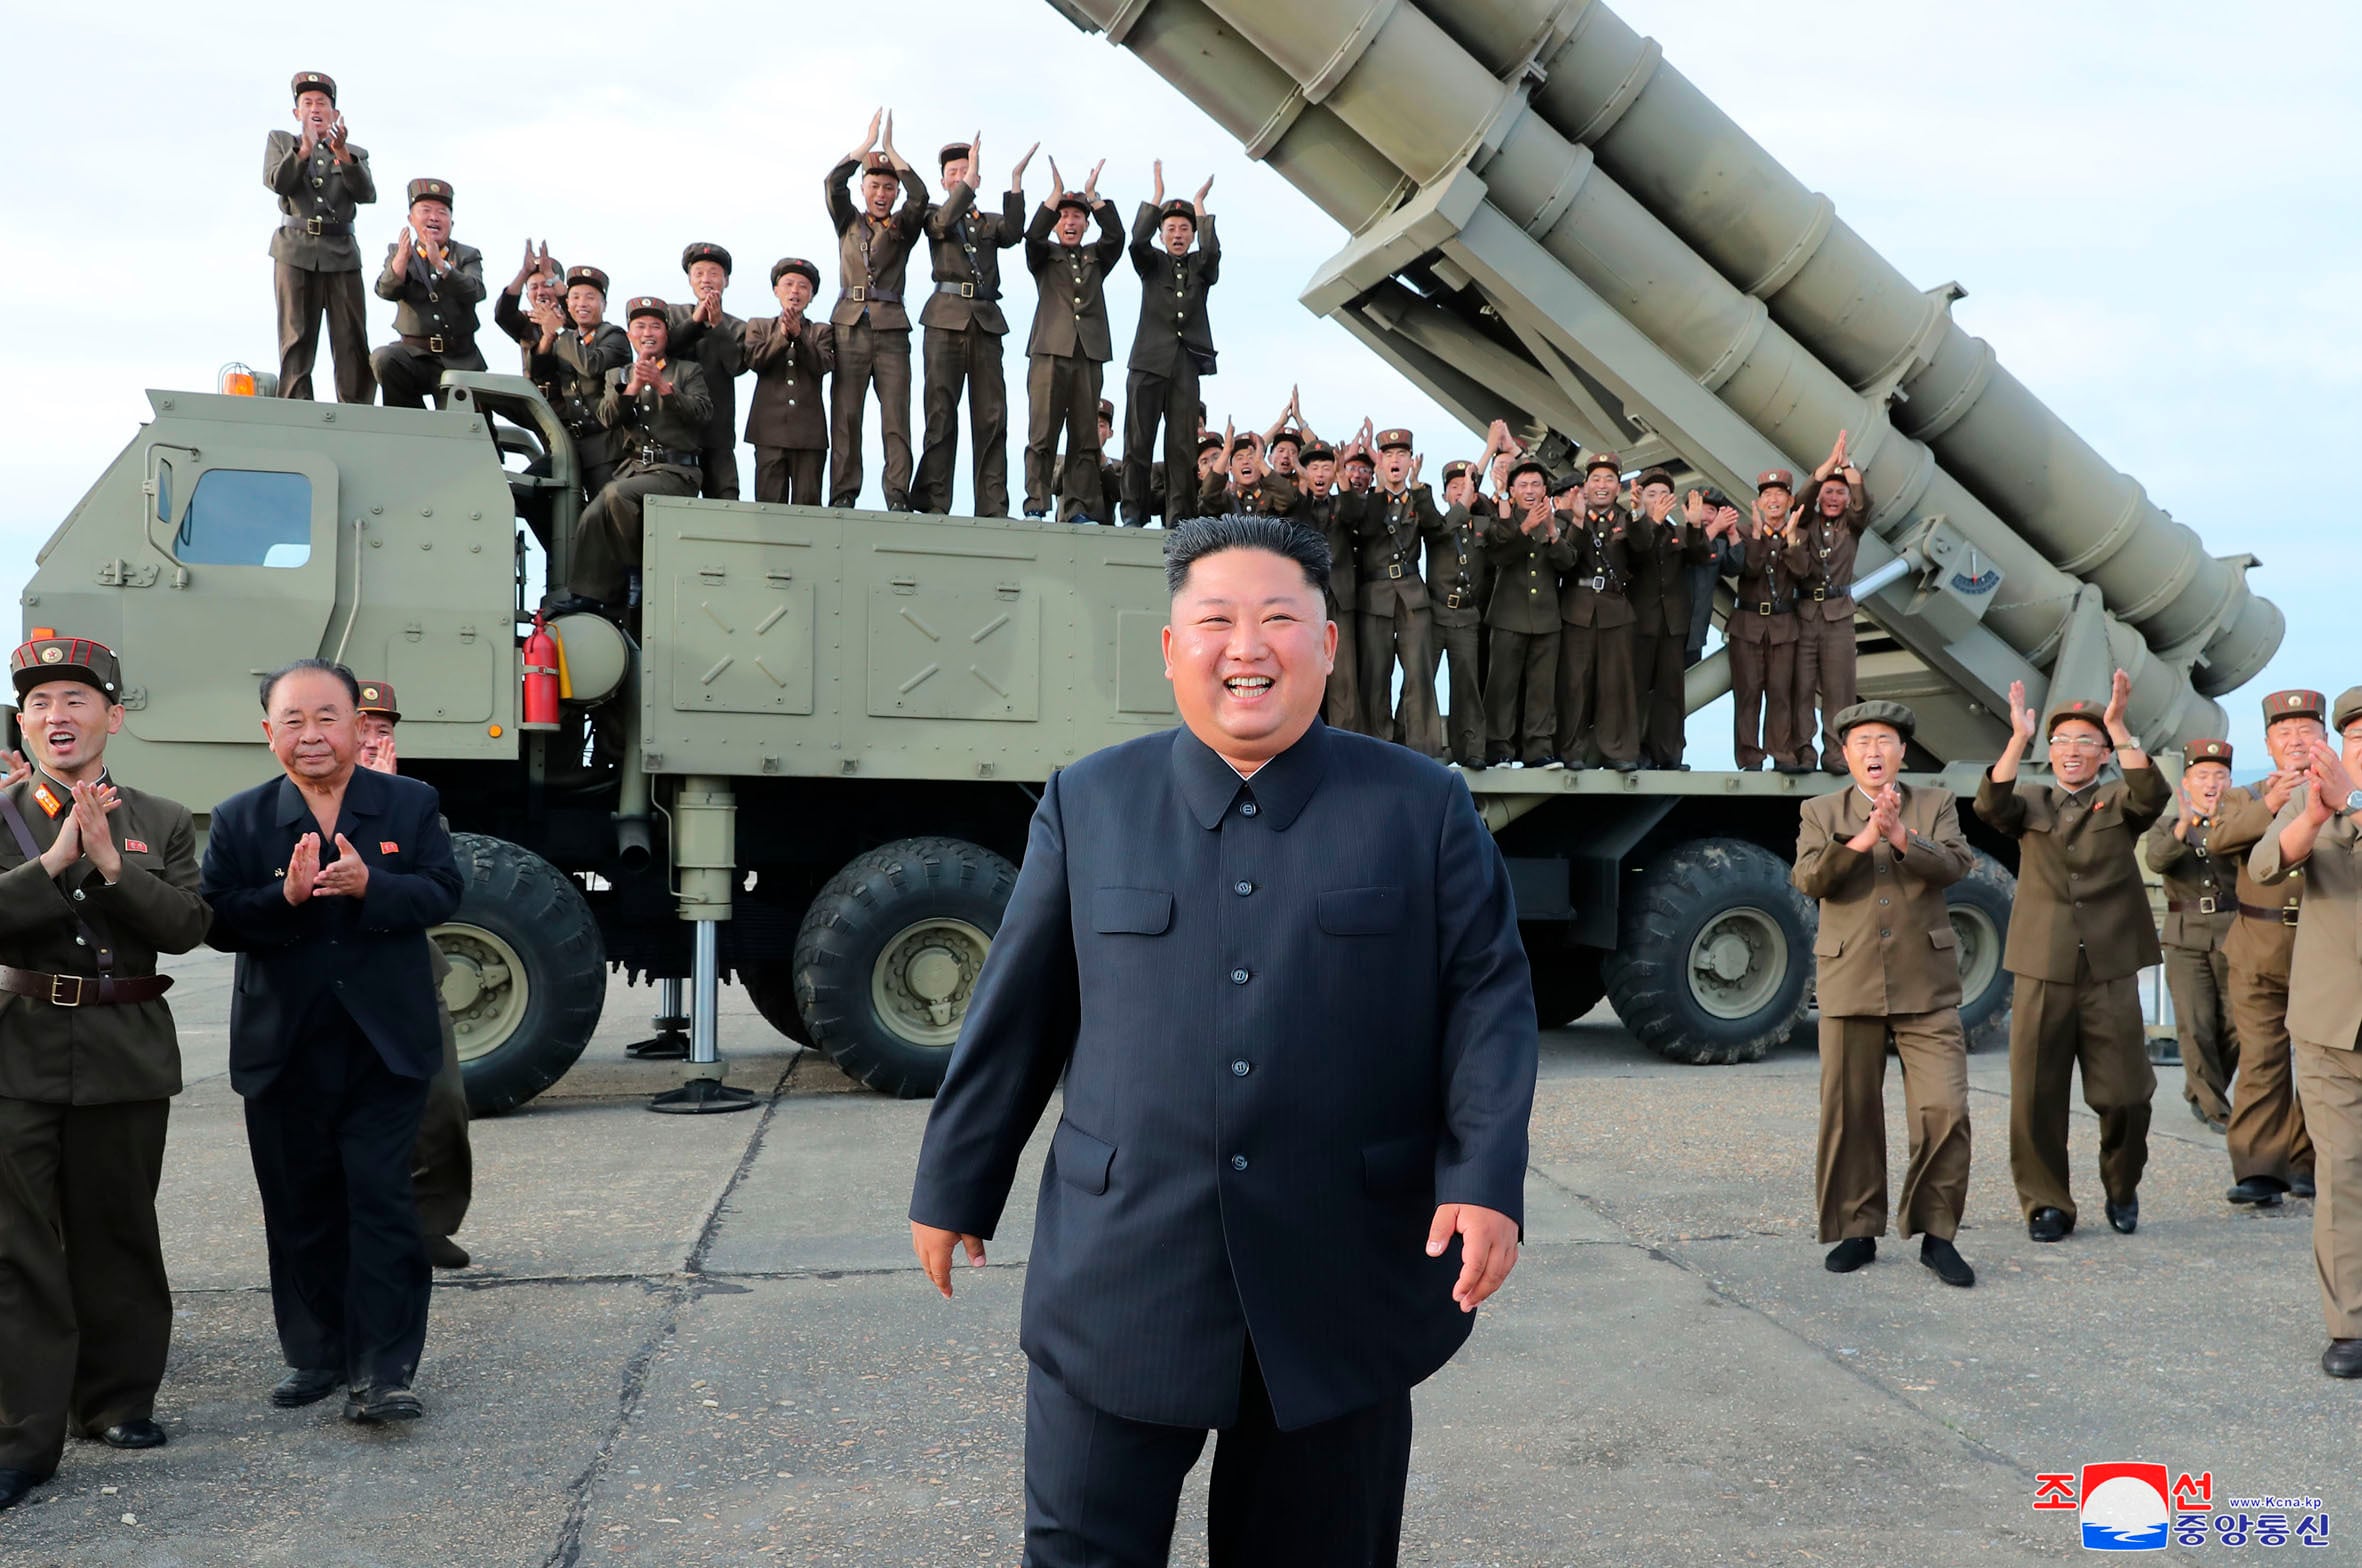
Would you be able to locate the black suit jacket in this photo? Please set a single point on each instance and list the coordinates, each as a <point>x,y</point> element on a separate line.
<point>1292,1016</point>
<point>368,957</point>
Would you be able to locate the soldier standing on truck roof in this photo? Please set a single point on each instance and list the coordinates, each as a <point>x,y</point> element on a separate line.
<point>701,329</point>
<point>1715,520</point>
<point>874,241</point>
<point>1598,706</point>
<point>533,295</point>
<point>964,327</point>
<point>1179,259</point>
<point>2080,933</point>
<point>1761,632</point>
<point>657,407</point>
<point>320,178</point>
<point>1530,554</point>
<point>2319,831</point>
<point>2199,909</point>
<point>435,283</point>
<point>1396,625</point>
<point>2271,1151</point>
<point>568,347</point>
<point>96,879</point>
<point>1664,548</point>
<point>1878,857</point>
<point>1821,562</point>
<point>786,420</point>
<point>1069,347</point>
<point>443,1165</point>
<point>1459,581</point>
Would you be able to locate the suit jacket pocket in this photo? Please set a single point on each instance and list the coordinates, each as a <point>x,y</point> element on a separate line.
<point>1359,911</point>
<point>1944,937</point>
<point>1083,1161</point>
<point>1398,1165</point>
<point>1829,941</point>
<point>1138,911</point>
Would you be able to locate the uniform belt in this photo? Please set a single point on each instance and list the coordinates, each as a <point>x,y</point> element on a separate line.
<point>436,343</point>
<point>2285,916</point>
<point>2202,906</point>
<point>82,990</point>
<point>1819,593</point>
<point>968,291</point>
<point>649,452</point>
<point>320,227</point>
<point>1771,607</point>
<point>1456,598</point>
<point>869,293</point>
<point>1393,569</point>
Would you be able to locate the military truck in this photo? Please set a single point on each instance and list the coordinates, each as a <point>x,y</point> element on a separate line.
<point>812,764</point>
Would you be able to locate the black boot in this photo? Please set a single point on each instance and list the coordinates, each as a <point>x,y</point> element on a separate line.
<point>1850,1254</point>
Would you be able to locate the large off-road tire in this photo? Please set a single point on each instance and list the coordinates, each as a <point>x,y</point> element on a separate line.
<point>528,972</point>
<point>1979,904</point>
<point>1714,953</point>
<point>771,986</point>
<point>1567,983</point>
<point>889,954</point>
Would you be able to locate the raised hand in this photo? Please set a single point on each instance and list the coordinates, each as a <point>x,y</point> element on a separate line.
<point>399,263</point>
<point>14,769</point>
<point>2022,719</point>
<point>347,878</point>
<point>1091,185</point>
<point>1057,185</point>
<point>65,849</point>
<point>1418,461</point>
<point>92,802</point>
<point>303,869</point>
<point>1693,509</point>
<point>1157,197</point>
<point>1203,191</point>
<point>2332,781</point>
<point>2119,695</point>
<point>869,138</point>
<point>1017,175</point>
<point>338,139</point>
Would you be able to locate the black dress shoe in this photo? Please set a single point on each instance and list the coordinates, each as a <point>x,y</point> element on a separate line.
<point>2125,1216</point>
<point>2343,1358</point>
<point>2301,1185</point>
<point>1626,767</point>
<point>382,1402</point>
<point>305,1387</point>
<point>14,1484</point>
<point>133,1434</point>
<point>1792,770</point>
<point>1941,1256</point>
<point>444,1253</point>
<point>2048,1224</point>
<point>1850,1254</point>
<point>2263,1191</point>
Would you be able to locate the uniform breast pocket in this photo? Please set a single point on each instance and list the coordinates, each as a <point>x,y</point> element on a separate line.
<point>1131,911</point>
<point>1359,911</point>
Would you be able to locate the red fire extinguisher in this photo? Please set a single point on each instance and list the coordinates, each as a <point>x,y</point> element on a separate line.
<point>541,676</point>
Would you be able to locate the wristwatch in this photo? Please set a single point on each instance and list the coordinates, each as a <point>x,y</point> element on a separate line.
<point>2352,805</point>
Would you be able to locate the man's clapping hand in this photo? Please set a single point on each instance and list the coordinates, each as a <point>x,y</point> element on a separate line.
<point>347,878</point>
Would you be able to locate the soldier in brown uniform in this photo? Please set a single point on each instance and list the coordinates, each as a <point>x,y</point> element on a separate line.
<point>320,177</point>
<point>2271,1151</point>
<point>1069,347</point>
<point>1521,684</point>
<point>1821,564</point>
<point>1459,581</point>
<point>1761,631</point>
<point>657,407</point>
<point>2199,908</point>
<point>874,242</point>
<point>1664,547</point>
<point>537,291</point>
<point>2319,831</point>
<point>435,283</point>
<point>2080,933</point>
<point>1336,518</point>
<point>785,419</point>
<point>702,330</point>
<point>96,879</point>
<point>964,327</point>
<point>443,1166</point>
<point>1179,259</point>
<point>1598,707</point>
<point>1396,519</point>
<point>1245,481</point>
<point>568,356</point>
<point>1878,857</point>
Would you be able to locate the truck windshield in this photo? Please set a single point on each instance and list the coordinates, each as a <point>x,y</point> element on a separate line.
<point>247,517</point>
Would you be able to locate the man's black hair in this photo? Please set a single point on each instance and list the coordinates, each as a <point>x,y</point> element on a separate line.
<point>1199,537</point>
<point>352,684</point>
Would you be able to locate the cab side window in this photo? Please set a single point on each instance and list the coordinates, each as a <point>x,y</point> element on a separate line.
<point>247,517</point>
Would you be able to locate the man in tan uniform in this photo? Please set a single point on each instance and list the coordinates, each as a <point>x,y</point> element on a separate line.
<point>964,327</point>
<point>1598,698</point>
<point>1396,519</point>
<point>96,879</point>
<point>2198,912</point>
<point>1521,682</point>
<point>786,421</point>
<point>1878,857</point>
<point>1664,548</point>
<point>435,283</point>
<point>1761,631</point>
<point>2080,933</point>
<point>874,242</point>
<point>2319,831</point>
<point>1069,346</point>
<point>320,177</point>
<point>1821,548</point>
<point>1337,518</point>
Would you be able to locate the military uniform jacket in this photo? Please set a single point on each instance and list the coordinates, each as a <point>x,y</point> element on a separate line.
<point>1393,528</point>
<point>1526,569</point>
<point>1290,1017</point>
<point>1337,517</point>
<point>96,1055</point>
<point>647,418</point>
<point>720,352</point>
<point>873,257</point>
<point>576,369</point>
<point>1822,560</point>
<point>1595,589</point>
<point>430,306</point>
<point>319,189</point>
<point>1271,496</point>
<point>1459,568</point>
<point>2325,974</point>
<point>1661,555</point>
<point>2079,881</point>
<point>2259,945</point>
<point>1764,601</point>
<point>966,246</point>
<point>1886,947</point>
<point>2194,879</point>
<point>1173,328</point>
<point>1070,320</point>
<point>788,410</point>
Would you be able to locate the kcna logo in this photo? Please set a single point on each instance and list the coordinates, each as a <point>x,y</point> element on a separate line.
<point>2128,1507</point>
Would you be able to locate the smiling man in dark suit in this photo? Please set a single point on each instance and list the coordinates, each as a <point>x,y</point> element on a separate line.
<point>1277,967</point>
<point>324,882</point>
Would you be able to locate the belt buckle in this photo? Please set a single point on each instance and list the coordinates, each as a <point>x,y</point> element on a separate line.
<point>1598,584</point>
<point>311,225</point>
<point>1763,608</point>
<point>2206,906</point>
<point>967,291</point>
<point>1820,595</point>
<point>858,293</point>
<point>1393,569</point>
<point>2288,915</point>
<point>1451,601</point>
<point>434,344</point>
<point>57,986</point>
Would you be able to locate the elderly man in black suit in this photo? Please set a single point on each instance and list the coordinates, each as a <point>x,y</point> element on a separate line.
<point>1276,967</point>
<point>324,882</point>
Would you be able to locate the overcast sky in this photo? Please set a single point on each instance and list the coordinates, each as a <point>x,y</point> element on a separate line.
<point>2153,206</point>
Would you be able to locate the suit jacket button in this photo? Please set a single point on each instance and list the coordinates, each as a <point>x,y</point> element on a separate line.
<point>1242,889</point>
<point>1239,1069</point>
<point>1246,808</point>
<point>1238,1162</point>
<point>1239,977</point>
<point>1884,934</point>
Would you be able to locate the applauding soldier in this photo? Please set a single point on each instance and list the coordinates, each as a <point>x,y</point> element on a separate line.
<point>789,354</point>
<point>1396,519</point>
<point>703,330</point>
<point>320,177</point>
<point>435,283</point>
<point>1244,482</point>
<point>874,242</point>
<point>1597,705</point>
<point>2199,909</point>
<point>1459,579</point>
<point>1174,345</point>
<point>1821,560</point>
<point>1530,554</point>
<point>1761,632</point>
<point>1070,345</point>
<point>1337,519</point>
<point>1664,548</point>
<point>964,331</point>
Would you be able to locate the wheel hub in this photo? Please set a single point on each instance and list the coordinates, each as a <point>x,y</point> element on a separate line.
<point>485,991</point>
<point>925,976</point>
<point>1737,962</point>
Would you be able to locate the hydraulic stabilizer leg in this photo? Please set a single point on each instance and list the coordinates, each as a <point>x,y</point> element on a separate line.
<point>670,1043</point>
<point>705,852</point>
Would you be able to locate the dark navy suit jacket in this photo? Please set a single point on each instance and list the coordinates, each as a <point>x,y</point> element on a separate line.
<point>1292,1015</point>
<point>367,956</point>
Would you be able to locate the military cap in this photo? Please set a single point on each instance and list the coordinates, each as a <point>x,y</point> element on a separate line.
<point>590,276</point>
<point>1074,199</point>
<point>645,305</point>
<point>2297,703</point>
<point>1455,468</point>
<point>430,190</point>
<point>1107,411</point>
<point>787,264</point>
<point>1783,478</point>
<point>1394,440</point>
<point>703,251</point>
<point>2348,709</point>
<point>49,657</point>
<point>952,150</point>
<point>1209,442</point>
<point>1316,453</point>
<point>1717,500</point>
<point>1360,456</point>
<point>2210,751</point>
<point>378,697</point>
<point>313,82</point>
<point>1876,711</point>
<point>1560,484</point>
<point>1656,476</point>
<point>1176,209</point>
<point>2083,708</point>
<point>878,163</point>
<point>1602,460</point>
<point>1531,465</point>
<point>1291,437</point>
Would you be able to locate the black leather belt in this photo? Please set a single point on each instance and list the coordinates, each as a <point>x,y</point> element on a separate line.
<point>82,990</point>
<point>653,454</point>
<point>2285,916</point>
<point>2185,906</point>
<point>1394,569</point>
<point>968,291</point>
<point>321,227</point>
<point>865,294</point>
<point>1771,607</point>
<point>1455,599</point>
<point>436,343</point>
<point>1819,593</point>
